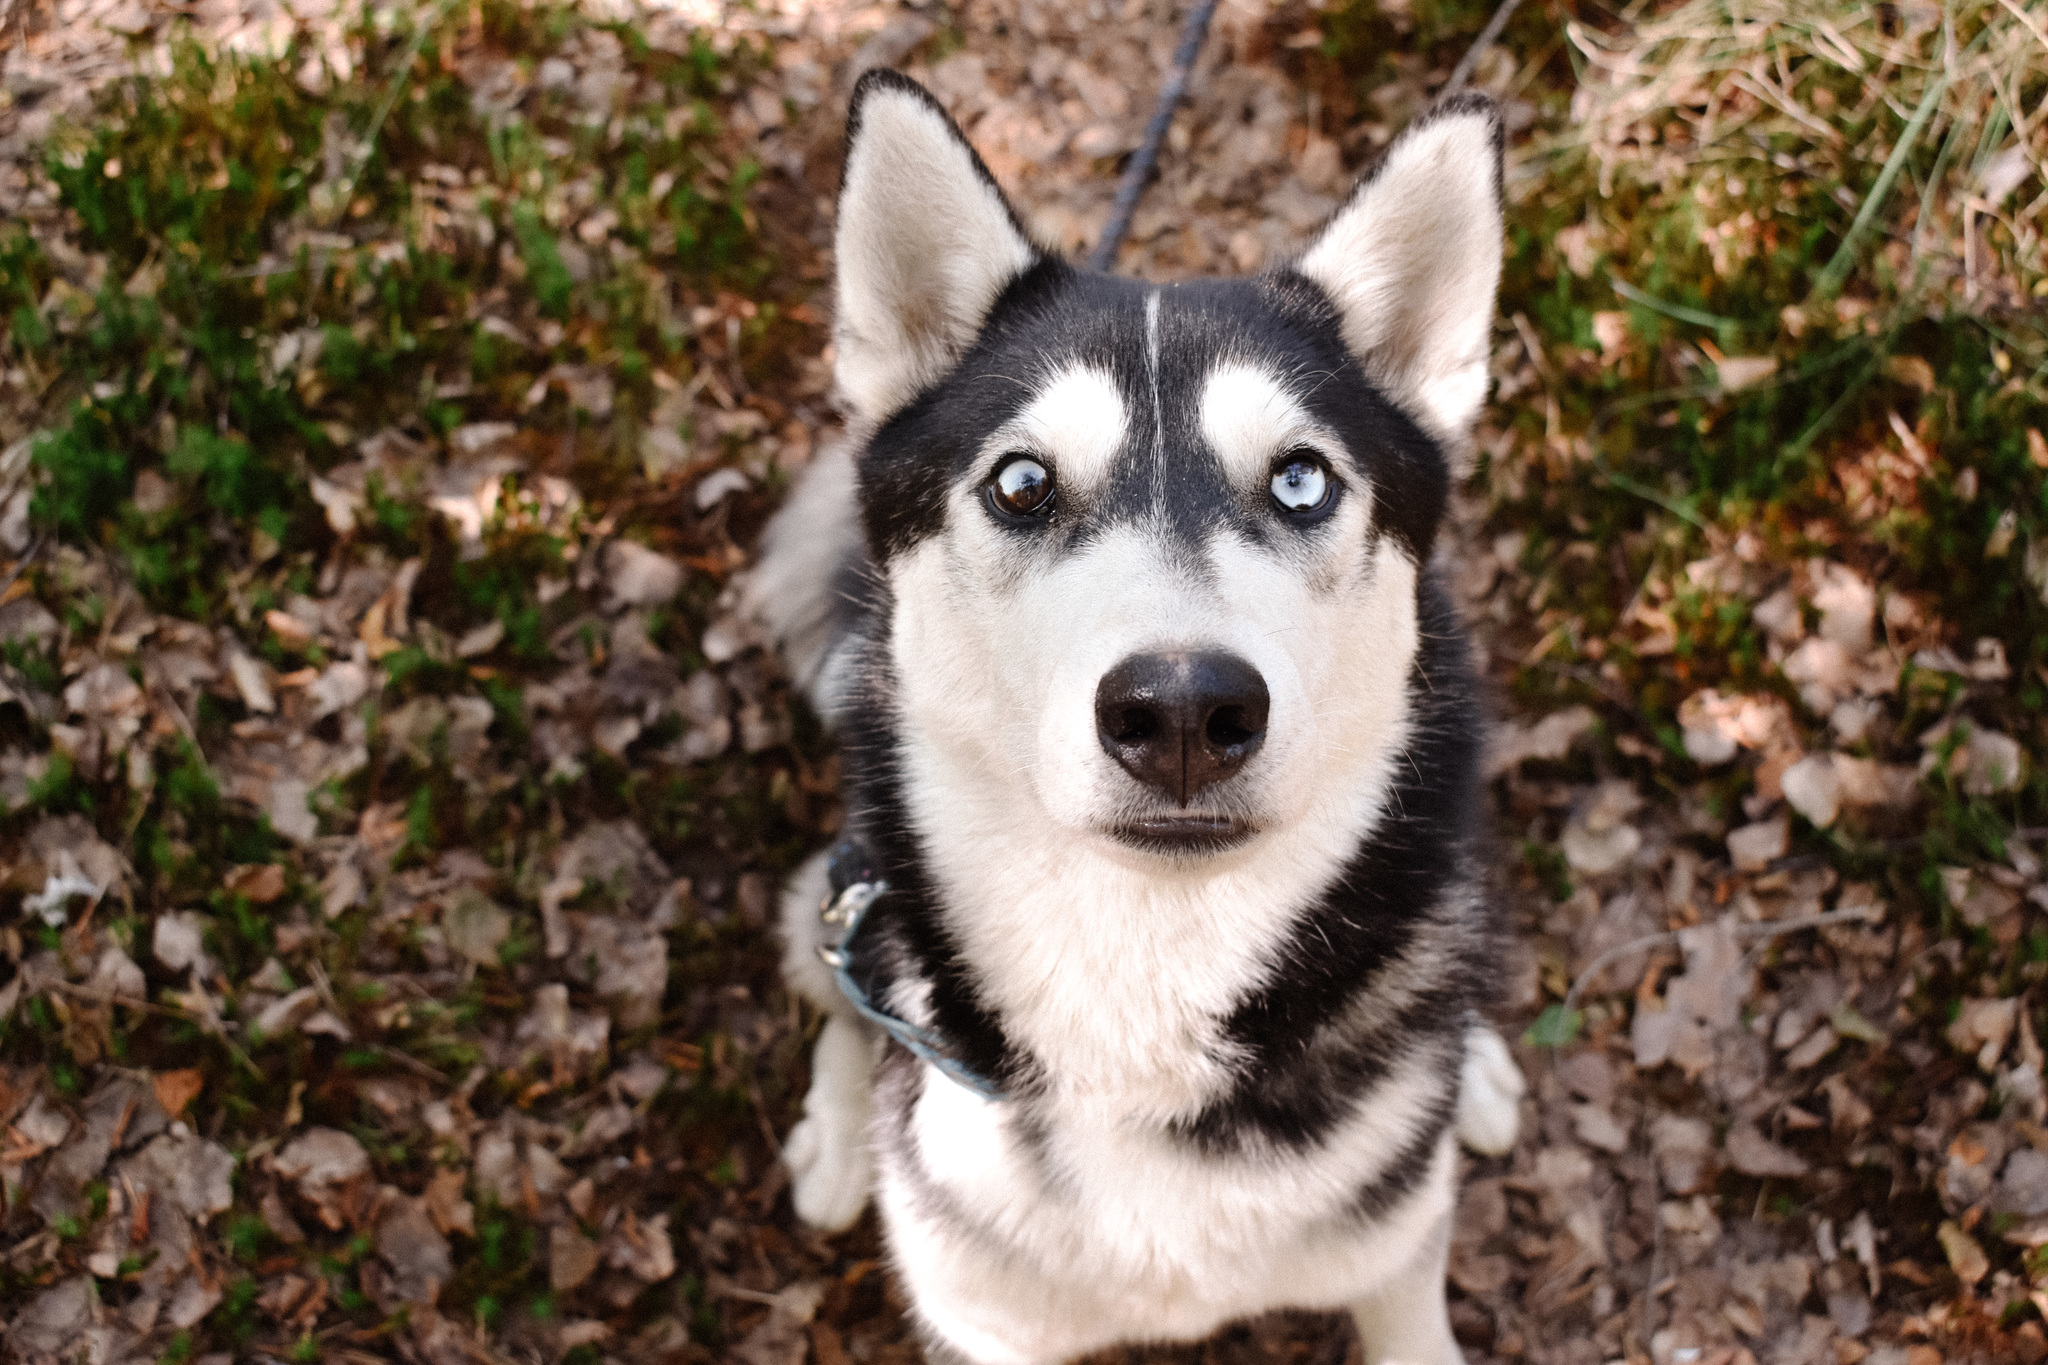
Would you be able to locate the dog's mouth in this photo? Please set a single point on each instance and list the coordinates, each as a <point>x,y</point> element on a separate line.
<point>1183,833</point>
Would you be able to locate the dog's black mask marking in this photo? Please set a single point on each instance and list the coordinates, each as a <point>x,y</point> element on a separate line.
<point>1054,315</point>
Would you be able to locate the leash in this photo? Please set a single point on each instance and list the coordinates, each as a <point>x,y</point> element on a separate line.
<point>1139,171</point>
<point>855,888</point>
<point>1462,72</point>
<point>1137,174</point>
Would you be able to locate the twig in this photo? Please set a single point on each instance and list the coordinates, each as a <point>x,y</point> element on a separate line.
<point>1132,184</point>
<point>1767,930</point>
<point>22,565</point>
<point>167,1011</point>
<point>132,1002</point>
<point>410,1063</point>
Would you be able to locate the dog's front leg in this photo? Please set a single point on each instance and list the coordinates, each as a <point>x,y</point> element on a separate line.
<point>1406,1321</point>
<point>829,1161</point>
<point>830,1164</point>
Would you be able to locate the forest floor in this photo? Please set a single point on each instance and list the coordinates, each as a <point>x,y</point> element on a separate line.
<point>392,807</point>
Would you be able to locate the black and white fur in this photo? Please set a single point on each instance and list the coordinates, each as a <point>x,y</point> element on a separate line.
<point>1233,1073</point>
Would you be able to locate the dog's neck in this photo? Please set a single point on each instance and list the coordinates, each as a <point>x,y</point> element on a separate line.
<point>1113,969</point>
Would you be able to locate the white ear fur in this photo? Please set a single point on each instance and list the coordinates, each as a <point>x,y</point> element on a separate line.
<point>926,243</point>
<point>1413,264</point>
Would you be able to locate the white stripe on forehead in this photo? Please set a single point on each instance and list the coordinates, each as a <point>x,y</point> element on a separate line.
<point>1152,371</point>
<point>1078,419</point>
<point>1249,417</point>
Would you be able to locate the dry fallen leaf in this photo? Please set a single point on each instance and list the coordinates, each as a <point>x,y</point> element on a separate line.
<point>176,1089</point>
<point>325,1164</point>
<point>1965,1257</point>
<point>261,883</point>
<point>1751,1153</point>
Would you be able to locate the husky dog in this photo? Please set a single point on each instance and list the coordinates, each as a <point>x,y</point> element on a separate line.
<point>1157,937</point>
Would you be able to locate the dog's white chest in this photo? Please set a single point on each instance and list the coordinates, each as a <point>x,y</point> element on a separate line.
<point>995,1215</point>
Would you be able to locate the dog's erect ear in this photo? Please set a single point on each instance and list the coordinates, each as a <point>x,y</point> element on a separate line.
<point>1413,263</point>
<point>926,243</point>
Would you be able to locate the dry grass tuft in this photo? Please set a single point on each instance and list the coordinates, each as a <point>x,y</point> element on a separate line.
<point>1918,117</point>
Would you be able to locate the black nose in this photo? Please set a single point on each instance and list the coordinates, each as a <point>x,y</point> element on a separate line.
<point>1180,721</point>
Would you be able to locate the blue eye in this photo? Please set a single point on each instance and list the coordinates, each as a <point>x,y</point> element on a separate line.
<point>1302,484</point>
<point>1022,487</point>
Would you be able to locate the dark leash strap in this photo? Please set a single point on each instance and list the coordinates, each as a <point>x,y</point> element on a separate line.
<point>1130,186</point>
<point>856,886</point>
<point>1138,170</point>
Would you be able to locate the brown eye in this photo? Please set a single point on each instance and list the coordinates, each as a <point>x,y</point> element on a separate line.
<point>1022,487</point>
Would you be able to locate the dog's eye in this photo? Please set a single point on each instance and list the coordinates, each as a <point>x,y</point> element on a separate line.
<point>1022,487</point>
<point>1302,484</point>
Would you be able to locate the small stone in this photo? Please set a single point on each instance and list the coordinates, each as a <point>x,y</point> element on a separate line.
<point>1098,140</point>
<point>1996,763</point>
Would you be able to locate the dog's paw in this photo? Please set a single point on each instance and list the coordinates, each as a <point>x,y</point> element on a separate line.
<point>830,1170</point>
<point>1489,1094</point>
<point>827,1153</point>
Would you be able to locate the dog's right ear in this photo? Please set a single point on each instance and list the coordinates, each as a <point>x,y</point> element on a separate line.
<point>1412,262</point>
<point>926,244</point>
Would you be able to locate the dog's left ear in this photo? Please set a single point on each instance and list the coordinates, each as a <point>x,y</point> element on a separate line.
<point>926,244</point>
<point>1413,264</point>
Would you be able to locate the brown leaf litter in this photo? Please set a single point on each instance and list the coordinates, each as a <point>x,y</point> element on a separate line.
<point>1762,1145</point>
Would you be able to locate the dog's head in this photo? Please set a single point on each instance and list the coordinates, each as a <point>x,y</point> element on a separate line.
<point>1153,551</point>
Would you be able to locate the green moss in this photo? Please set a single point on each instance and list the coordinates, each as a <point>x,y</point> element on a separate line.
<point>197,189</point>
